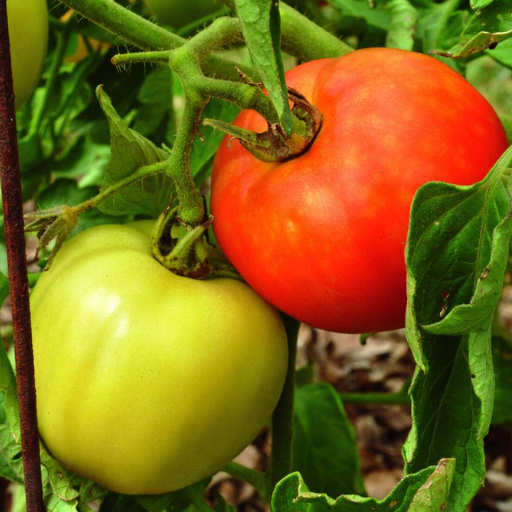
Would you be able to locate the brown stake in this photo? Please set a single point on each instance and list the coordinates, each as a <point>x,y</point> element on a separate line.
<point>15,240</point>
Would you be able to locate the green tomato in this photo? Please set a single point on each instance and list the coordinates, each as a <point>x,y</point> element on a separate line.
<point>178,13</point>
<point>147,381</point>
<point>28,33</point>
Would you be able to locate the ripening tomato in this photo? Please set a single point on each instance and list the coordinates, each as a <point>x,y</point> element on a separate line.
<point>28,33</point>
<point>322,236</point>
<point>147,381</point>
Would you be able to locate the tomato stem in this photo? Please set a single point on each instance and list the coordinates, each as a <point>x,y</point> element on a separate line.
<point>305,40</point>
<point>191,210</point>
<point>253,477</point>
<point>196,499</point>
<point>57,223</point>
<point>376,398</point>
<point>143,34</point>
<point>282,418</point>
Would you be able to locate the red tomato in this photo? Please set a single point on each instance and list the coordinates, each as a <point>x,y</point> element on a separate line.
<point>322,236</point>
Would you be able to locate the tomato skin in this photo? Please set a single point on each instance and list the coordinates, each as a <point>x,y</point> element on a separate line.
<point>28,34</point>
<point>322,236</point>
<point>178,13</point>
<point>147,381</point>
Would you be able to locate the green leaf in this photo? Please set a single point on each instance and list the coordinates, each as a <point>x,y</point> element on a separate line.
<point>118,503</point>
<point>439,27</point>
<point>173,501</point>
<point>374,15</point>
<point>201,158</point>
<point>480,4</point>
<point>4,288</point>
<point>129,152</point>
<point>502,358</point>
<point>222,506</point>
<point>5,469</point>
<point>456,255</point>
<point>502,53</point>
<point>487,27</point>
<point>433,495</point>
<point>10,442</point>
<point>155,115</point>
<point>63,191</point>
<point>324,445</point>
<point>507,124</point>
<point>83,159</point>
<point>261,27</point>
<point>403,23</point>
<point>427,486</point>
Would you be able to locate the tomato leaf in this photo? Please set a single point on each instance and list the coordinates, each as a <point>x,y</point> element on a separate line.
<point>497,21</point>
<point>177,500</point>
<point>10,441</point>
<point>456,256</point>
<point>130,151</point>
<point>502,358</point>
<point>261,27</point>
<point>427,488</point>
<point>65,191</point>
<point>324,445</point>
<point>403,24</point>
<point>4,288</point>
<point>222,506</point>
<point>507,124</point>
<point>439,26</point>
<point>374,15</point>
<point>203,152</point>
<point>119,503</point>
<point>85,160</point>
<point>480,213</point>
<point>502,53</point>
<point>433,495</point>
<point>155,116</point>
<point>480,4</point>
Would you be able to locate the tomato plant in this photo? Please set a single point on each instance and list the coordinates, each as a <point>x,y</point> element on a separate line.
<point>178,13</point>
<point>147,381</point>
<point>376,185</point>
<point>28,33</point>
<point>322,236</point>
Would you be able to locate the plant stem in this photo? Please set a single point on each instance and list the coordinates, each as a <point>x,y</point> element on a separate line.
<point>191,209</point>
<point>18,280</point>
<point>222,32</point>
<point>253,477</point>
<point>197,500</point>
<point>143,34</point>
<point>138,175</point>
<point>282,419</point>
<point>244,96</point>
<point>62,43</point>
<point>375,398</point>
<point>305,40</point>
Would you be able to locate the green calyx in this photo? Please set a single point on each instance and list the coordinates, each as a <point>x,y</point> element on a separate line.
<point>274,145</point>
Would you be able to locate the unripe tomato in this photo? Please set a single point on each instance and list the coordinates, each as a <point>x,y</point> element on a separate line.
<point>28,33</point>
<point>147,381</point>
<point>178,13</point>
<point>322,236</point>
